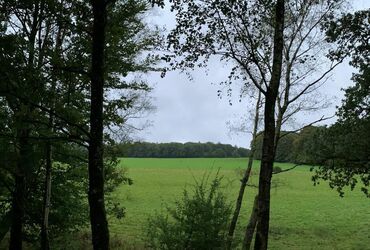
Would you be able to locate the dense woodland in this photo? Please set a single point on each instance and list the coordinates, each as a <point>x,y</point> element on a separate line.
<point>71,81</point>
<point>178,150</point>
<point>296,147</point>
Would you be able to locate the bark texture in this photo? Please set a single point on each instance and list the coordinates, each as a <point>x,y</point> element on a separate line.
<point>248,237</point>
<point>99,224</point>
<point>268,146</point>
<point>45,245</point>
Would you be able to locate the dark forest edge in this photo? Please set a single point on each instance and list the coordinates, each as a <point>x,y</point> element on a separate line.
<point>177,150</point>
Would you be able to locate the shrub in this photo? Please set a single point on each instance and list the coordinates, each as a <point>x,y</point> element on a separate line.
<point>198,221</point>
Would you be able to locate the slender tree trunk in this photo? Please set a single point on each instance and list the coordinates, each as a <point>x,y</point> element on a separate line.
<point>45,244</point>
<point>16,230</point>
<point>248,237</point>
<point>245,178</point>
<point>18,202</point>
<point>268,146</point>
<point>47,195</point>
<point>99,224</point>
<point>279,123</point>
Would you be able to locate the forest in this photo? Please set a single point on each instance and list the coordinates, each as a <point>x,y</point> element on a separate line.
<point>74,81</point>
<point>178,150</point>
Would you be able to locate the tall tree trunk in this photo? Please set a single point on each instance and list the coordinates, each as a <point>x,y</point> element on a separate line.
<point>246,175</point>
<point>251,226</point>
<point>268,146</point>
<point>47,195</point>
<point>45,244</point>
<point>18,202</point>
<point>99,224</point>
<point>16,230</point>
<point>24,160</point>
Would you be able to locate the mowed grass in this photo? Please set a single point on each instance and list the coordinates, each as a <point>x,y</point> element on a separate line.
<point>303,216</point>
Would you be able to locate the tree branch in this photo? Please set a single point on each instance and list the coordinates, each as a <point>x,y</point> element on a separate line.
<point>308,125</point>
<point>288,169</point>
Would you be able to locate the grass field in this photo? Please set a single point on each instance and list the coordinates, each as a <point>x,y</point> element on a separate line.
<point>302,216</point>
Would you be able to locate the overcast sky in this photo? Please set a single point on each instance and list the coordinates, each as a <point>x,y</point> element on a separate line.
<point>190,110</point>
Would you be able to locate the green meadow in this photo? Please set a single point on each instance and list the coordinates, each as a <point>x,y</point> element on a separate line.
<point>303,216</point>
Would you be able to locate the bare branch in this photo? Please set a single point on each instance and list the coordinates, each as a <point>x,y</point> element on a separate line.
<point>245,67</point>
<point>315,82</point>
<point>323,118</point>
<point>286,170</point>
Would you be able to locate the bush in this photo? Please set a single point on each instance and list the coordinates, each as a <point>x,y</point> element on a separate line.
<point>198,221</point>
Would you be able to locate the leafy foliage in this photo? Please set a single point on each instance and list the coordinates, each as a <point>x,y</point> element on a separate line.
<point>44,93</point>
<point>69,210</point>
<point>198,221</point>
<point>341,159</point>
<point>343,150</point>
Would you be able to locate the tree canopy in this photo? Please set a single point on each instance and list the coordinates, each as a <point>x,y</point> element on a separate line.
<point>343,150</point>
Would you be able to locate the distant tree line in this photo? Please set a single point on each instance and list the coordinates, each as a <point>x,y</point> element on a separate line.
<point>178,150</point>
<point>296,147</point>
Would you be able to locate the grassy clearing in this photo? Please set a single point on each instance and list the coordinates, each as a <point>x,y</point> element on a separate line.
<point>302,216</point>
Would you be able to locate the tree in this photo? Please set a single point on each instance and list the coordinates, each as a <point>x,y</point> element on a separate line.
<point>34,33</point>
<point>246,40</point>
<point>104,12</point>
<point>343,160</point>
<point>28,69</point>
<point>244,181</point>
<point>36,66</point>
<point>222,28</point>
<point>99,224</point>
